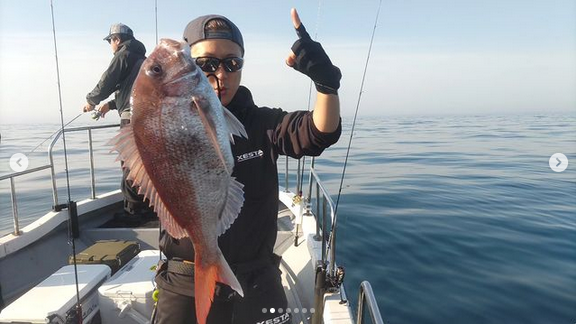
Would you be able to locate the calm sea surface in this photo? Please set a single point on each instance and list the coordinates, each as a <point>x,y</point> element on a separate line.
<point>451,219</point>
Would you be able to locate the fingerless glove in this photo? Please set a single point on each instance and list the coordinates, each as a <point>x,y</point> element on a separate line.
<point>312,60</point>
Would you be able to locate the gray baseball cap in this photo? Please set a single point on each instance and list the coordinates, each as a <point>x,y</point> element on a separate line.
<point>196,31</point>
<point>119,28</point>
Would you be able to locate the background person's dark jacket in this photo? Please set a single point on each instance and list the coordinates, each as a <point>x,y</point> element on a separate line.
<point>119,76</point>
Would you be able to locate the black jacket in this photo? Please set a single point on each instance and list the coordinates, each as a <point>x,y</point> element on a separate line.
<point>119,76</point>
<point>271,132</point>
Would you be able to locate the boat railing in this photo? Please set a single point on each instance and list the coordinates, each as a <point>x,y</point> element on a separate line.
<point>50,165</point>
<point>324,211</point>
<point>324,208</point>
<point>366,297</point>
<point>327,269</point>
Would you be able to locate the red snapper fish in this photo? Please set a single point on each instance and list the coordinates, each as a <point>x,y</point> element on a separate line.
<point>177,148</point>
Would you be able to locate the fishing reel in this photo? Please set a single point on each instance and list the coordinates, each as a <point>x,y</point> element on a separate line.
<point>337,279</point>
<point>326,282</point>
<point>96,114</point>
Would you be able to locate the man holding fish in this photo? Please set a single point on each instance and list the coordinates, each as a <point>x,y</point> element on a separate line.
<point>205,156</point>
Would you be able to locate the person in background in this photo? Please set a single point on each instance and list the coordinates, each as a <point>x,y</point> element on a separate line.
<point>248,245</point>
<point>129,53</point>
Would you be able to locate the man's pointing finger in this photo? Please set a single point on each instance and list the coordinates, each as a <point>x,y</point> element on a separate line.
<point>300,30</point>
<point>295,18</point>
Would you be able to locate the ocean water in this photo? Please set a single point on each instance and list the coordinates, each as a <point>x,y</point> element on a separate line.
<point>451,219</point>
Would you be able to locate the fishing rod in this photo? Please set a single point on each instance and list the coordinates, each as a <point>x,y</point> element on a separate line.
<point>156,18</point>
<point>333,272</point>
<point>49,137</point>
<point>72,211</point>
<point>357,107</point>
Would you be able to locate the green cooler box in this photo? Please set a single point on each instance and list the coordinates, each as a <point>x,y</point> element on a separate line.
<point>113,253</point>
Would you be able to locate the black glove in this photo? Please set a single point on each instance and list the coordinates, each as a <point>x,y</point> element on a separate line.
<point>311,59</point>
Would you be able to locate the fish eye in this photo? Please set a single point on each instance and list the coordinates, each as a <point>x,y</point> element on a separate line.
<point>155,70</point>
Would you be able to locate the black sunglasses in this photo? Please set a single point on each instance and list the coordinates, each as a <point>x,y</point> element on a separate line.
<point>211,64</point>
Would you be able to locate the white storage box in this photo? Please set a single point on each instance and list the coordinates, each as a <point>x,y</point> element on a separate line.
<point>51,299</point>
<point>127,296</point>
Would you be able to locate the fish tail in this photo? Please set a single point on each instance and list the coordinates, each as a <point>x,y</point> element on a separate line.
<point>205,279</point>
<point>226,276</point>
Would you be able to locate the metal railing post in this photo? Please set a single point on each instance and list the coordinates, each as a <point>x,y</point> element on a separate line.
<point>298,184</point>
<point>53,177</point>
<point>365,294</point>
<point>323,228</point>
<point>91,151</point>
<point>14,207</point>
<point>286,176</point>
<point>317,237</point>
<point>309,197</point>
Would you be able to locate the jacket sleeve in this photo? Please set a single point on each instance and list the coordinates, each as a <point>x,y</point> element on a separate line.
<point>296,135</point>
<point>108,82</point>
<point>112,104</point>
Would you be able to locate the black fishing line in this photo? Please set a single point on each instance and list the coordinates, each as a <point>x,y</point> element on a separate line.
<point>78,306</point>
<point>331,245</point>
<point>357,107</point>
<point>217,85</point>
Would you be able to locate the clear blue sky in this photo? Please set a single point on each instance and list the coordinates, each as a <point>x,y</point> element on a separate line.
<point>429,57</point>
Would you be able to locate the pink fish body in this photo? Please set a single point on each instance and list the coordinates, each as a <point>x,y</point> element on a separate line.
<point>177,148</point>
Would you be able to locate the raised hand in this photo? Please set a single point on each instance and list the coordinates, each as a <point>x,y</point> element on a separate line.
<point>309,58</point>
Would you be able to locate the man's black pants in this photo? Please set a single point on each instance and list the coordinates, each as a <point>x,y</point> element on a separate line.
<point>133,202</point>
<point>262,291</point>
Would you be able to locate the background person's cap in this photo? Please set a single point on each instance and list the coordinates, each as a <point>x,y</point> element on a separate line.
<point>195,31</point>
<point>119,28</point>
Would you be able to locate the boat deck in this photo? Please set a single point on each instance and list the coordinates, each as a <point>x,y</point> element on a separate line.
<point>45,256</point>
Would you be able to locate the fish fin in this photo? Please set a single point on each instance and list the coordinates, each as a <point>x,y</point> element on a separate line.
<point>205,278</point>
<point>234,125</point>
<point>204,286</point>
<point>125,144</point>
<point>226,276</point>
<point>207,119</point>
<point>234,202</point>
